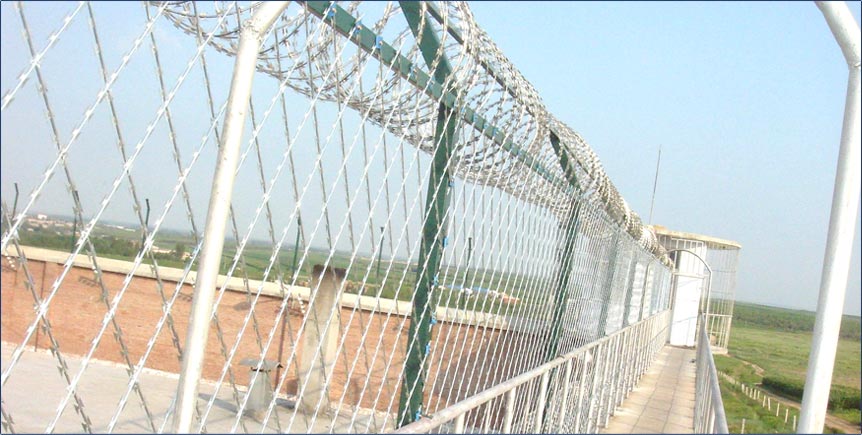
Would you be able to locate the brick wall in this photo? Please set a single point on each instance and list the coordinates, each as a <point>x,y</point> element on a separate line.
<point>76,314</point>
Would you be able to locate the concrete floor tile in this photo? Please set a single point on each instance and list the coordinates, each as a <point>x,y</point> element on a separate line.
<point>638,400</point>
<point>630,420</point>
<point>656,424</point>
<point>682,403</point>
<point>617,427</point>
<point>659,405</point>
<point>680,420</point>
<point>676,428</point>
<point>639,429</point>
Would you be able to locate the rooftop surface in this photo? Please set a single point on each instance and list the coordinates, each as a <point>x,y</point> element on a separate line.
<point>35,389</point>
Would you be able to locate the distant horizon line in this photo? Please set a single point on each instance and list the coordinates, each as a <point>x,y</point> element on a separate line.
<point>814,311</point>
<point>137,225</point>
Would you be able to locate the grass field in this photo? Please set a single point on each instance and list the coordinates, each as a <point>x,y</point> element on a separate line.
<point>738,406</point>
<point>786,353</point>
<point>768,341</point>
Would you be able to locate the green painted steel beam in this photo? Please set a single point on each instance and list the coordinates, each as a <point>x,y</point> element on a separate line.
<point>346,24</point>
<point>434,235</point>
<point>565,160</point>
<point>570,231</point>
<point>456,35</point>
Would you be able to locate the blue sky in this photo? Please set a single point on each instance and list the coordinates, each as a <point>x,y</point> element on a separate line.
<point>745,98</point>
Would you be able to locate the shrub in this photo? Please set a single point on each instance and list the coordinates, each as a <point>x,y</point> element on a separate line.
<point>840,397</point>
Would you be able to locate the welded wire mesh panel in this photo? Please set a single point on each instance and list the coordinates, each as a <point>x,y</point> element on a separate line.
<point>408,225</point>
<point>723,261</point>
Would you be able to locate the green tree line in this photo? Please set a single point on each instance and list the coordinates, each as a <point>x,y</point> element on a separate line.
<point>790,320</point>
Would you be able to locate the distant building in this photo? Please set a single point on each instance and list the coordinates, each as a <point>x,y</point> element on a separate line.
<point>704,284</point>
<point>157,250</point>
<point>41,217</point>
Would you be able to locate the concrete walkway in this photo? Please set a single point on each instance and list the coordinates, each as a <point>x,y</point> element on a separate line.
<point>663,401</point>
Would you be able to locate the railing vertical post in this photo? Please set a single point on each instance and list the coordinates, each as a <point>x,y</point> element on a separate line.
<point>486,423</point>
<point>623,366</point>
<point>540,406</point>
<point>579,412</point>
<point>434,227</point>
<point>612,382</point>
<point>598,369</point>
<point>251,37</point>
<point>644,351</point>
<point>839,239</point>
<point>567,381</point>
<point>601,416</point>
<point>510,411</point>
<point>459,423</point>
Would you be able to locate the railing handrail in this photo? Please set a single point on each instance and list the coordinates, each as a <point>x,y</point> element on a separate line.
<point>454,411</point>
<point>717,405</point>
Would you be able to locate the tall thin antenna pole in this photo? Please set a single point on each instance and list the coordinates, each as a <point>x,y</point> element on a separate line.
<point>654,185</point>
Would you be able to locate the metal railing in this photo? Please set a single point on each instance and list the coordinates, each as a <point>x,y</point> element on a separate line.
<point>574,393</point>
<point>708,407</point>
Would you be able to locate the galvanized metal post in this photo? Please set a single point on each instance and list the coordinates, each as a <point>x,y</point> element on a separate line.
<point>434,228</point>
<point>251,37</point>
<point>842,219</point>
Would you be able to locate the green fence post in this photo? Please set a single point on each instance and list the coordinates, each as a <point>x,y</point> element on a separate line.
<point>570,231</point>
<point>434,228</point>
